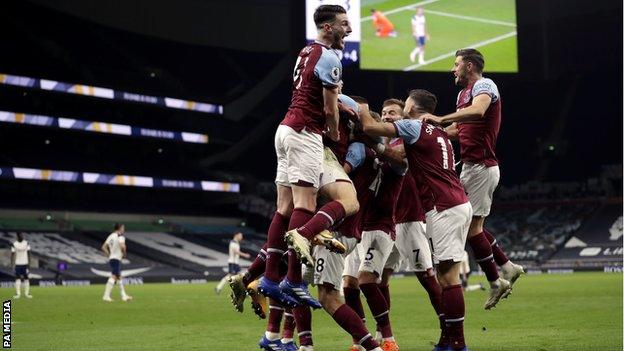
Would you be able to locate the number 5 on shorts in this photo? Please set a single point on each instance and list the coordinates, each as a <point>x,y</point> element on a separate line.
<point>369,254</point>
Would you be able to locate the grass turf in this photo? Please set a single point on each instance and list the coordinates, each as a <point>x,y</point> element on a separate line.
<point>447,34</point>
<point>581,311</point>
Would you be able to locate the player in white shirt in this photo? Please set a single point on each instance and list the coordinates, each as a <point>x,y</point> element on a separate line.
<point>20,259</point>
<point>419,32</point>
<point>233,260</point>
<point>115,248</point>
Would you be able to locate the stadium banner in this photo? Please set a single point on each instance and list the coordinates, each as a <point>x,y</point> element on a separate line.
<point>115,179</point>
<point>351,53</point>
<point>107,93</point>
<point>100,127</point>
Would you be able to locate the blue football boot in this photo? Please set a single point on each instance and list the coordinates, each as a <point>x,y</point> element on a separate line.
<point>300,293</point>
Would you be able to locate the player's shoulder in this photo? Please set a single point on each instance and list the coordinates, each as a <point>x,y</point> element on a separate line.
<point>487,86</point>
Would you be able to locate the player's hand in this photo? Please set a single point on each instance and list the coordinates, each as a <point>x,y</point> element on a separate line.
<point>429,118</point>
<point>346,109</point>
<point>333,134</point>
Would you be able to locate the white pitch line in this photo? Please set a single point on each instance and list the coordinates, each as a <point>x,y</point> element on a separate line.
<point>402,8</point>
<point>452,53</point>
<point>470,18</point>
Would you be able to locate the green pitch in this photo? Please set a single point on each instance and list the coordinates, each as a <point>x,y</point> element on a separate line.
<point>580,311</point>
<point>452,24</point>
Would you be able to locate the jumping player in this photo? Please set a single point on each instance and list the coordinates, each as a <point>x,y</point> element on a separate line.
<point>115,248</point>
<point>20,259</point>
<point>477,122</point>
<point>429,151</point>
<point>299,149</point>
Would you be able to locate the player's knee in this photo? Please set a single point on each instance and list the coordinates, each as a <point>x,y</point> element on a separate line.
<point>367,278</point>
<point>351,207</point>
<point>350,282</point>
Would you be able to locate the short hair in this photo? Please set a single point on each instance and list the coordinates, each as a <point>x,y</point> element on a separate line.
<point>118,226</point>
<point>393,101</point>
<point>426,99</point>
<point>327,13</point>
<point>473,56</point>
<point>359,99</point>
<point>376,116</point>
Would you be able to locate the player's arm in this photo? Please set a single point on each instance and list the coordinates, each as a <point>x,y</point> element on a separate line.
<point>356,154</point>
<point>452,131</point>
<point>374,128</point>
<point>395,155</point>
<point>329,71</point>
<point>105,248</point>
<point>330,110</point>
<point>12,256</point>
<point>239,252</point>
<point>476,111</point>
<point>122,246</point>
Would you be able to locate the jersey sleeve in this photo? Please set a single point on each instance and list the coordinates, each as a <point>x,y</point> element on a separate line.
<point>408,130</point>
<point>349,102</point>
<point>485,86</point>
<point>13,247</point>
<point>356,154</point>
<point>122,239</point>
<point>328,68</point>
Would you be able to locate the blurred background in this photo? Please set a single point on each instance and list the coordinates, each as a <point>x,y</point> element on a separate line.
<point>163,118</point>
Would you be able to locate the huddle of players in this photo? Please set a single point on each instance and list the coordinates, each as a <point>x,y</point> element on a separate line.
<point>401,199</point>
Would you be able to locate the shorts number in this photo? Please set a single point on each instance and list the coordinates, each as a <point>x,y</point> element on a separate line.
<point>319,265</point>
<point>369,254</point>
<point>417,251</point>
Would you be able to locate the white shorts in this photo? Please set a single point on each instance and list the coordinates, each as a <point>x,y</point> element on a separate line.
<point>375,248</point>
<point>352,263</point>
<point>329,266</point>
<point>412,246</point>
<point>447,231</point>
<point>332,169</point>
<point>480,182</point>
<point>299,156</point>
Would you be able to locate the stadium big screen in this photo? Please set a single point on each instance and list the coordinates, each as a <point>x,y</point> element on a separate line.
<point>423,36</point>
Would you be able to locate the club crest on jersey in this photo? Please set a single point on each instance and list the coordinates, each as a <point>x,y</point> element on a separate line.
<point>335,73</point>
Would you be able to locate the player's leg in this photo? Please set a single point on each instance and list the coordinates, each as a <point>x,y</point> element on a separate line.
<point>327,276</point>
<point>334,184</point>
<point>511,271</point>
<point>288,331</point>
<point>222,282</point>
<point>122,289</point>
<point>447,231</point>
<point>421,50</point>
<point>376,247</point>
<point>27,283</point>
<point>18,281</point>
<point>110,283</point>
<point>276,246</point>
<point>453,306</point>
<point>480,185</point>
<point>271,339</point>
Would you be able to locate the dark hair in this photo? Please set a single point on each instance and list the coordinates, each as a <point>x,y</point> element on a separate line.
<point>473,56</point>
<point>118,226</point>
<point>393,101</point>
<point>327,13</point>
<point>359,99</point>
<point>426,99</point>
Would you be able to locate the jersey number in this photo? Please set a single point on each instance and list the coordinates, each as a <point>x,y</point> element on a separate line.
<point>447,153</point>
<point>319,265</point>
<point>299,67</point>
